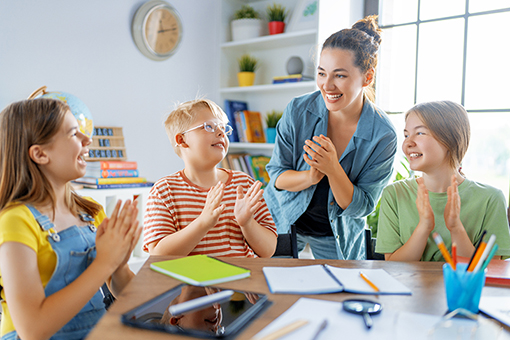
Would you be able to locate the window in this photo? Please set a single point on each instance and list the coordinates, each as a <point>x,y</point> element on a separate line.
<point>451,50</point>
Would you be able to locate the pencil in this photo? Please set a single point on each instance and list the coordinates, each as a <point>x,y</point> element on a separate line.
<point>486,252</point>
<point>440,244</point>
<point>454,255</point>
<point>284,330</point>
<point>477,256</point>
<point>489,258</point>
<point>367,280</point>
<point>476,247</point>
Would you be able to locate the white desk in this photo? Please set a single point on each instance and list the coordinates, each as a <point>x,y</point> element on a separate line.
<point>108,197</point>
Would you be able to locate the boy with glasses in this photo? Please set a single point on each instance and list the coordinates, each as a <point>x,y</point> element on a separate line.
<point>204,209</point>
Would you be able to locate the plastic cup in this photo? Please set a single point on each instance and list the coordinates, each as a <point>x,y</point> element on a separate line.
<point>463,289</point>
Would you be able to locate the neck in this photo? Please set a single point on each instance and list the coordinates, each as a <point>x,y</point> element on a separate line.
<point>60,202</point>
<point>442,180</point>
<point>351,113</point>
<point>204,178</point>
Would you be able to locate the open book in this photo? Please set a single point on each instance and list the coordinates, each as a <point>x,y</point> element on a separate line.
<point>323,279</point>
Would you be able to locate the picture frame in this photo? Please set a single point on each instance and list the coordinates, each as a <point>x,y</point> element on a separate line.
<point>304,16</point>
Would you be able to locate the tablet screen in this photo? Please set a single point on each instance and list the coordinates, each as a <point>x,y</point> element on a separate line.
<point>197,311</point>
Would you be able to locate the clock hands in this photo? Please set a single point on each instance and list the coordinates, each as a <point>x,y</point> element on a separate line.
<point>168,29</point>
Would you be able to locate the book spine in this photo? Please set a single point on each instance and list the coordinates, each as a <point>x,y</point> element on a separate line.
<point>118,186</point>
<point>125,165</point>
<point>121,180</point>
<point>119,173</point>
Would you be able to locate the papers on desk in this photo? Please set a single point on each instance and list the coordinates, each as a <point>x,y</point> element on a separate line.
<point>323,279</point>
<point>497,307</point>
<point>343,325</point>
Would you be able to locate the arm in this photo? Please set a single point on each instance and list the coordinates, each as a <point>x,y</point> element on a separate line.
<point>36,316</point>
<point>182,242</point>
<point>260,239</point>
<point>413,249</point>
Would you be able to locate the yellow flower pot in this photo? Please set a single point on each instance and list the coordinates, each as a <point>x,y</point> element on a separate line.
<point>246,78</point>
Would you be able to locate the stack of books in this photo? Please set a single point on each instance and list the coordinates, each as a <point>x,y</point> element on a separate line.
<point>291,78</point>
<point>111,175</point>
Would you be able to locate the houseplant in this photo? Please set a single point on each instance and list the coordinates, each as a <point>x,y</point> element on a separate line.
<point>247,67</point>
<point>272,119</point>
<point>246,24</point>
<point>276,15</point>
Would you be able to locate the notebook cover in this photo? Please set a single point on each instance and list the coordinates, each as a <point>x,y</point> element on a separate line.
<point>200,270</point>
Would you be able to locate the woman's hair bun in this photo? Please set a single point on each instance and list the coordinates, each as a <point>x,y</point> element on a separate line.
<point>370,26</point>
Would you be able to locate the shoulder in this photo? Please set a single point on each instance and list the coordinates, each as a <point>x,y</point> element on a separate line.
<point>169,181</point>
<point>398,188</point>
<point>311,102</point>
<point>381,118</point>
<point>16,211</point>
<point>240,178</point>
<point>479,190</point>
<point>17,219</point>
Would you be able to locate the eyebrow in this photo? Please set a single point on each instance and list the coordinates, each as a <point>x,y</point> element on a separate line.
<point>418,127</point>
<point>335,70</point>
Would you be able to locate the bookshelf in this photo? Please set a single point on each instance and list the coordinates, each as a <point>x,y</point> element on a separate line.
<point>273,52</point>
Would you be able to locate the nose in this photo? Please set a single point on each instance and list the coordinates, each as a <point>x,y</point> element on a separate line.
<point>328,83</point>
<point>409,141</point>
<point>219,131</point>
<point>86,140</point>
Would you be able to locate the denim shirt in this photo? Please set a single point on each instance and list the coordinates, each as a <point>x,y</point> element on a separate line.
<point>367,161</point>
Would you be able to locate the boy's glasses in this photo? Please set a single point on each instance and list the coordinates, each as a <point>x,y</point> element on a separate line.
<point>212,127</point>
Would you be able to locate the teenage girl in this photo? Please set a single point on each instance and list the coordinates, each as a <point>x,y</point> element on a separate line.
<point>442,200</point>
<point>56,248</point>
<point>334,150</point>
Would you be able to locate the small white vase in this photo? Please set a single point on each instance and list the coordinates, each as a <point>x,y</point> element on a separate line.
<point>246,29</point>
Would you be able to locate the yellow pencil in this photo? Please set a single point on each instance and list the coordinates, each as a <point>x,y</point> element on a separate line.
<point>284,330</point>
<point>440,244</point>
<point>367,280</point>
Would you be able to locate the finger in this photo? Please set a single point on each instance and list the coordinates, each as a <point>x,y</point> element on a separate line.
<point>115,212</point>
<point>255,207</point>
<point>254,189</point>
<point>240,192</point>
<point>308,160</point>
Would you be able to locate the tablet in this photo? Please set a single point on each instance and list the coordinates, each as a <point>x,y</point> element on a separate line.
<point>205,312</point>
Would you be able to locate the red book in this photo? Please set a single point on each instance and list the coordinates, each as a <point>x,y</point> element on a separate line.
<point>107,165</point>
<point>498,272</point>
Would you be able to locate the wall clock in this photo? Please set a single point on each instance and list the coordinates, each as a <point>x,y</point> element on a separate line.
<point>157,30</point>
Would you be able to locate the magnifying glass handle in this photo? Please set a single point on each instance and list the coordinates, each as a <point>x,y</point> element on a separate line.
<point>367,319</point>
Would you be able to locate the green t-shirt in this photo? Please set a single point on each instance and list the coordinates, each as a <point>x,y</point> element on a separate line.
<point>482,208</point>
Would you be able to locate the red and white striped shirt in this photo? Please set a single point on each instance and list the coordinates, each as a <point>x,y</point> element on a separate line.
<point>174,202</point>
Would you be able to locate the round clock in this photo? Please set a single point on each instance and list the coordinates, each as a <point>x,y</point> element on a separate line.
<point>157,30</point>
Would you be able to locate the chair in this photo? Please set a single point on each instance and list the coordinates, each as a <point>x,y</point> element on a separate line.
<point>286,244</point>
<point>370,246</point>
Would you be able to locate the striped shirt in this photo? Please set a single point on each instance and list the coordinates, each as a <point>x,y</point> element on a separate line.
<point>174,202</point>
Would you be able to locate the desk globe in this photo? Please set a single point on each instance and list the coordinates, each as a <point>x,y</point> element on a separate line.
<point>78,108</point>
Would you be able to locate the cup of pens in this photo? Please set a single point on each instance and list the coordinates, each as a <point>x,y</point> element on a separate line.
<point>463,288</point>
<point>464,281</point>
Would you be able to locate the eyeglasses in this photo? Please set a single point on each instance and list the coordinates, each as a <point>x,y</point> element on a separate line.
<point>212,127</point>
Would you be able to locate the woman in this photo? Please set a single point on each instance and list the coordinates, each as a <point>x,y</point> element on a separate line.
<point>349,146</point>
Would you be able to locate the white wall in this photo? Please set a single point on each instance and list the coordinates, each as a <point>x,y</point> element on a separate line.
<point>85,48</point>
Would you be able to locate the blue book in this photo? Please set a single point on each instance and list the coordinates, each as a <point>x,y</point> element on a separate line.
<point>117,186</point>
<point>231,107</point>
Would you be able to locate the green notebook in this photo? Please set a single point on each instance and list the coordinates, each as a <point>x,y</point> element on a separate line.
<point>200,270</point>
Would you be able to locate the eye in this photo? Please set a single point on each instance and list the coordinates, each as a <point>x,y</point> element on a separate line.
<point>321,74</point>
<point>340,76</point>
<point>208,126</point>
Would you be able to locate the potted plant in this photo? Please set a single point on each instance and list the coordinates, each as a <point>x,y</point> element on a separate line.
<point>272,119</point>
<point>247,67</point>
<point>246,24</point>
<point>276,15</point>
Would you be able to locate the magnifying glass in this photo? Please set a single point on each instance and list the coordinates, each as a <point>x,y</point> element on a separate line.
<point>363,307</point>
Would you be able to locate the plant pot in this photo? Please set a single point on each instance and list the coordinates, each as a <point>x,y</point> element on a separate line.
<point>246,29</point>
<point>270,135</point>
<point>246,78</point>
<point>276,27</point>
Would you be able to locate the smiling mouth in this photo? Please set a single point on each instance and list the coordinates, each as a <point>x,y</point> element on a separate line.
<point>219,144</point>
<point>333,96</point>
<point>415,155</point>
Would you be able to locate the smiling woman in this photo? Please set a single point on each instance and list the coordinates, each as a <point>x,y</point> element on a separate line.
<point>327,184</point>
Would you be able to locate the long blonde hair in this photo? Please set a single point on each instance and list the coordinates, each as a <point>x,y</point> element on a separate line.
<point>448,122</point>
<point>23,124</point>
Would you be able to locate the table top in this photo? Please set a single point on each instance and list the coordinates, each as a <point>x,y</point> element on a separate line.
<point>425,279</point>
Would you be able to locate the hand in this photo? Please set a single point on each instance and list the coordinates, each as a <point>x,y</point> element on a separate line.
<point>117,235</point>
<point>452,208</point>
<point>423,205</point>
<point>247,205</point>
<point>323,154</point>
<point>212,208</point>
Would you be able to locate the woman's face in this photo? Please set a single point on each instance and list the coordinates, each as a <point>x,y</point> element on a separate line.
<point>340,81</point>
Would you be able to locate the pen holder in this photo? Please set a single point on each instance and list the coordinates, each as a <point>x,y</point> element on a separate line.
<point>463,289</point>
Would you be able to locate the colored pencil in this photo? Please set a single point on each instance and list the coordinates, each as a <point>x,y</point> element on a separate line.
<point>477,256</point>
<point>367,280</point>
<point>485,253</point>
<point>476,247</point>
<point>440,244</point>
<point>454,255</point>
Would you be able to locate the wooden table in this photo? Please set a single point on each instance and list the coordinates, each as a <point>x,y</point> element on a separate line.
<point>425,279</point>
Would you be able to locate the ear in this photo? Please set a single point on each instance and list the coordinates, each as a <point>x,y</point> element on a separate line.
<point>369,77</point>
<point>175,320</point>
<point>179,140</point>
<point>37,154</point>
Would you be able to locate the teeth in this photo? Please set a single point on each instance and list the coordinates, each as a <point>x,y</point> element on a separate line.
<point>332,97</point>
<point>414,154</point>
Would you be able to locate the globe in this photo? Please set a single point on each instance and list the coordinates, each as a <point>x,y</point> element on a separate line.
<point>80,111</point>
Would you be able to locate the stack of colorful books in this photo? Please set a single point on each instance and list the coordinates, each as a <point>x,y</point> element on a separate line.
<point>112,175</point>
<point>291,78</point>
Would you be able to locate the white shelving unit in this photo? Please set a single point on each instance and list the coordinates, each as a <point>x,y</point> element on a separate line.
<point>273,52</point>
